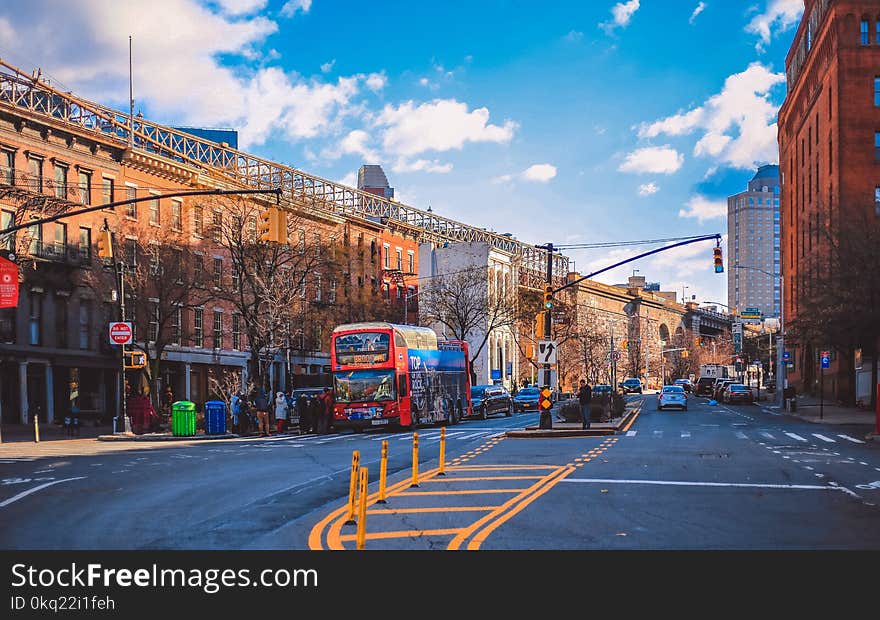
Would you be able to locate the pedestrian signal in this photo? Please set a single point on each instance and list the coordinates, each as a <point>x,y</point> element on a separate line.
<point>135,359</point>
<point>719,261</point>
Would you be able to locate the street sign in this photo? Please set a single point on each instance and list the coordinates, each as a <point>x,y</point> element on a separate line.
<point>8,284</point>
<point>826,359</point>
<point>751,313</point>
<point>547,352</point>
<point>120,333</point>
<point>786,356</point>
<point>544,402</point>
<point>614,355</point>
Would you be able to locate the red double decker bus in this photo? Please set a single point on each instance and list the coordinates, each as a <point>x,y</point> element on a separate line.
<point>397,375</point>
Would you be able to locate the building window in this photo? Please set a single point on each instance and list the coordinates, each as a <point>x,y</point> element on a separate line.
<point>318,287</point>
<point>877,146</point>
<point>386,258</point>
<point>107,191</point>
<point>176,215</point>
<point>373,251</point>
<point>60,237</point>
<point>399,259</point>
<point>176,323</point>
<point>85,243</point>
<point>131,210</point>
<point>35,232</point>
<point>865,32</point>
<point>60,181</point>
<point>61,322</point>
<point>332,294</point>
<point>154,210</point>
<point>877,35</point>
<point>236,279</point>
<point>35,174</point>
<point>154,259</point>
<point>34,317</point>
<point>199,327</point>
<point>877,201</point>
<point>217,227</point>
<point>218,273</point>
<point>7,220</point>
<point>7,167</point>
<point>217,336</point>
<point>252,229</point>
<point>198,227</point>
<point>198,270</point>
<point>301,242</point>
<point>85,187</point>
<point>411,262</point>
<point>153,335</point>
<point>236,332</point>
<point>131,252</point>
<point>85,323</point>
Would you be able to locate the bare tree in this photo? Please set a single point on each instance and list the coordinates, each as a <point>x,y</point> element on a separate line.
<point>468,307</point>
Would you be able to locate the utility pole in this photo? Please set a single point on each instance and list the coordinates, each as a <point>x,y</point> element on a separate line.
<point>548,314</point>
<point>123,425</point>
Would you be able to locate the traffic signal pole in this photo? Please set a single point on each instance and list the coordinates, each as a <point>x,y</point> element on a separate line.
<point>548,313</point>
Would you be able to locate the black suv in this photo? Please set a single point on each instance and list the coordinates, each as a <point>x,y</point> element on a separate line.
<point>489,399</point>
<point>631,386</point>
<point>704,386</point>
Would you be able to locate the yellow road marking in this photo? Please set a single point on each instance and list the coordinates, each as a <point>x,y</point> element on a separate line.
<point>467,492</point>
<point>394,511</point>
<point>500,467</point>
<point>633,419</point>
<point>553,480</point>
<point>485,478</point>
<point>402,534</point>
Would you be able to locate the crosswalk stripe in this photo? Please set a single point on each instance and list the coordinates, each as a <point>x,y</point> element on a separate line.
<point>685,435</point>
<point>631,433</point>
<point>741,435</point>
<point>795,436</point>
<point>658,434</point>
<point>823,438</point>
<point>768,436</point>
<point>848,438</point>
<point>481,434</point>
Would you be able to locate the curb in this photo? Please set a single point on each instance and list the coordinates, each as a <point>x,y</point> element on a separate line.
<point>125,437</point>
<point>533,432</point>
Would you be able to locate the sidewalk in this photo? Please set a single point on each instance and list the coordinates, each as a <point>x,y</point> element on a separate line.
<point>24,433</point>
<point>810,409</point>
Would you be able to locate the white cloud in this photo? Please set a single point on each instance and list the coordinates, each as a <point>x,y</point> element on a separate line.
<point>349,180</point>
<point>292,6</point>
<point>356,142</point>
<point>440,125</point>
<point>779,17</point>
<point>700,8</point>
<point>421,165</point>
<point>574,36</point>
<point>653,159</point>
<point>648,189</point>
<point>621,13</point>
<point>241,7</point>
<point>7,34</point>
<point>738,123</point>
<point>327,67</point>
<point>537,173</point>
<point>376,81</point>
<point>703,209</point>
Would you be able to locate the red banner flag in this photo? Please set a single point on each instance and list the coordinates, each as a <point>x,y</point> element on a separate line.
<point>8,284</point>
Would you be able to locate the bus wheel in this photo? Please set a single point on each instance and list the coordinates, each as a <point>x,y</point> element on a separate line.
<point>483,413</point>
<point>459,414</point>
<point>414,419</point>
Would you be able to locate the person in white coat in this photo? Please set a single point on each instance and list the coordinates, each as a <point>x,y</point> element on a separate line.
<point>280,411</point>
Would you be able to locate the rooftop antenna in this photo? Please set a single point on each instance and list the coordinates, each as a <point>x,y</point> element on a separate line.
<point>130,99</point>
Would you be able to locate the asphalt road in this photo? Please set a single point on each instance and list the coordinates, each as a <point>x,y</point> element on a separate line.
<point>723,477</point>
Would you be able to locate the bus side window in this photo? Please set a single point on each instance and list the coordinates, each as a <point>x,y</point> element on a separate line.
<point>401,385</point>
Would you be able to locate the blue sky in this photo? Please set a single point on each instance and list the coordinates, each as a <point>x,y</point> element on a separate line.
<point>570,122</point>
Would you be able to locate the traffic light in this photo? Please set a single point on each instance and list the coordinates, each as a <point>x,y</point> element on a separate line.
<point>685,354</point>
<point>698,341</point>
<point>548,297</point>
<point>273,225</point>
<point>105,244</point>
<point>539,327</point>
<point>625,345</point>
<point>719,261</point>
<point>530,351</point>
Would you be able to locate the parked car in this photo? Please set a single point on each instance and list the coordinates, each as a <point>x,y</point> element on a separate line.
<point>631,386</point>
<point>672,396</point>
<point>738,393</point>
<point>310,393</point>
<point>527,399</point>
<point>704,386</point>
<point>684,383</point>
<point>600,389</point>
<point>489,399</point>
<point>718,390</point>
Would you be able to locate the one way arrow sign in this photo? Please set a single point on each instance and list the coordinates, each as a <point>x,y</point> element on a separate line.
<point>547,352</point>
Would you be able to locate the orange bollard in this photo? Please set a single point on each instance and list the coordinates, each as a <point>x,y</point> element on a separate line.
<point>36,429</point>
<point>415,464</point>
<point>352,486</point>
<point>362,511</point>
<point>442,471</point>
<point>383,472</point>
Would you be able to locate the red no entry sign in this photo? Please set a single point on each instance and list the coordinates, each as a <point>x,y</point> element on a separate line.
<point>120,333</point>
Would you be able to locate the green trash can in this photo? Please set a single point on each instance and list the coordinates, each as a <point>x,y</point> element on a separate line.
<point>183,419</point>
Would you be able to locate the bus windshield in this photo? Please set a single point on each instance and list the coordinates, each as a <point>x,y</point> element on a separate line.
<point>362,348</point>
<point>361,386</point>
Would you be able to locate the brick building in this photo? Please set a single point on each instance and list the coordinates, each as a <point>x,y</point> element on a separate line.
<point>829,147</point>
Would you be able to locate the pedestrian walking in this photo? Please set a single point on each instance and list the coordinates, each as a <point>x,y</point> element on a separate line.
<point>281,408</point>
<point>235,409</point>
<point>305,414</point>
<point>585,398</point>
<point>261,403</point>
<point>324,411</point>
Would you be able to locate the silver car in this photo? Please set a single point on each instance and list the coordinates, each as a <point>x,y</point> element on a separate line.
<point>672,396</point>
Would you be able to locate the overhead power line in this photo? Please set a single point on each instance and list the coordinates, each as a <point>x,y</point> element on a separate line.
<point>620,244</point>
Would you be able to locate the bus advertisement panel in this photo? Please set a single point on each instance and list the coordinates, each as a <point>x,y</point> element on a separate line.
<point>385,374</point>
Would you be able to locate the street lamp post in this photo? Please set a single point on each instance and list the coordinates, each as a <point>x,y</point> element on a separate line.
<point>781,378</point>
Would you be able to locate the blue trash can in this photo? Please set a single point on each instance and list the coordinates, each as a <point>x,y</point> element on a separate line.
<point>215,417</point>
